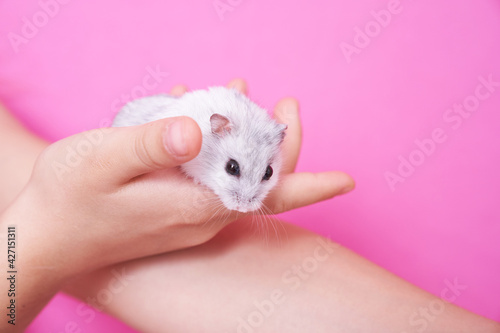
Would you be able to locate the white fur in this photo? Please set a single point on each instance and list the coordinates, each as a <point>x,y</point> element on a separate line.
<point>253,141</point>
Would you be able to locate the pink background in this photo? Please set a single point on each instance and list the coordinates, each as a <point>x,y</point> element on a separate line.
<point>359,116</point>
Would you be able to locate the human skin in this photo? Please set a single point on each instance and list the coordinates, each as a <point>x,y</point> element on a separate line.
<point>80,214</point>
<point>344,293</point>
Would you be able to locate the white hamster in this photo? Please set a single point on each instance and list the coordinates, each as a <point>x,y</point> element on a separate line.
<point>240,158</point>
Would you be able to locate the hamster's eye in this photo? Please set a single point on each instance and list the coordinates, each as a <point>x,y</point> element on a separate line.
<point>268,174</point>
<point>233,168</point>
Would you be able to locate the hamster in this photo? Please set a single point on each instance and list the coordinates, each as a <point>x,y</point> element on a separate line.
<point>240,158</point>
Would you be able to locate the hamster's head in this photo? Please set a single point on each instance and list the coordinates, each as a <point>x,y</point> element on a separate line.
<point>245,159</point>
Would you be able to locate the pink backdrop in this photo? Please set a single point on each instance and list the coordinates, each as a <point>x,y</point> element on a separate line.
<point>388,89</point>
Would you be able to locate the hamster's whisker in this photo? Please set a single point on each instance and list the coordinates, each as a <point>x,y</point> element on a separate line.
<point>273,220</point>
<point>264,226</point>
<point>274,228</point>
<point>207,202</point>
<point>222,217</point>
<point>253,225</point>
<point>269,223</point>
<point>207,206</point>
<point>209,199</point>
<point>227,216</point>
<point>216,210</point>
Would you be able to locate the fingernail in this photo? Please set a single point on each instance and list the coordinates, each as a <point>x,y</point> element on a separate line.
<point>175,140</point>
<point>347,189</point>
<point>290,110</point>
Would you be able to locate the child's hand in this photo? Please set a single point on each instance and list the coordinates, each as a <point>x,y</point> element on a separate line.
<point>114,194</point>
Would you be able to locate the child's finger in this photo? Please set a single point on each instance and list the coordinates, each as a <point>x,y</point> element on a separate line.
<point>136,150</point>
<point>239,84</point>
<point>178,90</point>
<point>302,189</point>
<point>287,112</point>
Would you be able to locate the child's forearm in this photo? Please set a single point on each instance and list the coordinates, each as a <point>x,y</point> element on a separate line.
<point>31,268</point>
<point>19,150</point>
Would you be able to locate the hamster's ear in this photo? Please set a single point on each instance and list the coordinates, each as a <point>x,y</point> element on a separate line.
<point>220,125</point>
<point>282,128</point>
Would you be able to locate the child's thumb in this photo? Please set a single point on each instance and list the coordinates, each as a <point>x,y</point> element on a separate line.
<point>153,146</point>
